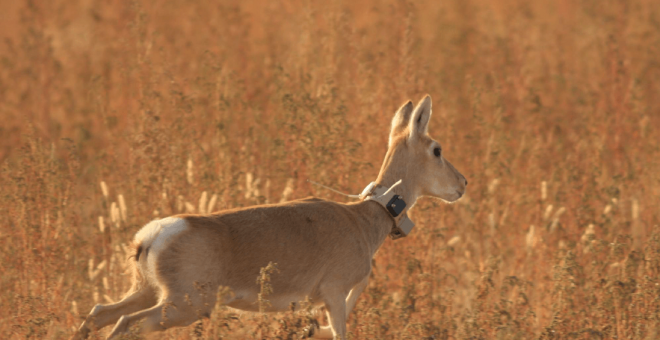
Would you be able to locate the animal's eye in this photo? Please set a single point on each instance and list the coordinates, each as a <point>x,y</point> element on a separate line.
<point>437,152</point>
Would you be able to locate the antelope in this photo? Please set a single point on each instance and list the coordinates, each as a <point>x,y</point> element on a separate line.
<point>323,249</point>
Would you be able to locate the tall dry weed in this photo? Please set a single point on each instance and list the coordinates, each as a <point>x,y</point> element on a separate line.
<point>114,113</point>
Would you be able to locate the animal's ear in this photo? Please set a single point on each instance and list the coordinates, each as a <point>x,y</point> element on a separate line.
<point>419,121</point>
<point>401,119</point>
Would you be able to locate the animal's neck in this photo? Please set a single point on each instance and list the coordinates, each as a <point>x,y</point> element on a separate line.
<point>395,168</point>
<point>404,189</point>
<point>376,223</point>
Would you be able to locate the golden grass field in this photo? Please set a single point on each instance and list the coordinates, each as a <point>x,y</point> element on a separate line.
<point>117,112</point>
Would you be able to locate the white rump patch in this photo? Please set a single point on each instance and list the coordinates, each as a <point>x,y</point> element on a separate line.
<point>154,237</point>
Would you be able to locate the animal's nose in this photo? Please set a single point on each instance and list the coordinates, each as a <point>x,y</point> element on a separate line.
<point>465,181</point>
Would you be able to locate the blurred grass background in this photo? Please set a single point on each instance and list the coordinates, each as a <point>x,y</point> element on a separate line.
<point>118,112</point>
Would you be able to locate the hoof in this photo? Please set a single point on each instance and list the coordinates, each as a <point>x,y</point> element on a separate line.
<point>310,330</point>
<point>83,331</point>
<point>80,335</point>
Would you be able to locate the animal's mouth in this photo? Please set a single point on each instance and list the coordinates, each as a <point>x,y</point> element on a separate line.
<point>459,195</point>
<point>454,199</point>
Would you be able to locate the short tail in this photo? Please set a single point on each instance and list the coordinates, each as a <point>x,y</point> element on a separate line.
<point>138,259</point>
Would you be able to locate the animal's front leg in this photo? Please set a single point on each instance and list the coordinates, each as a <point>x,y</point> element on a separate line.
<point>335,305</point>
<point>326,332</point>
<point>355,294</point>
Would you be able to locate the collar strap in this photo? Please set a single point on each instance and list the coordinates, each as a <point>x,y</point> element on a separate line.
<point>393,203</point>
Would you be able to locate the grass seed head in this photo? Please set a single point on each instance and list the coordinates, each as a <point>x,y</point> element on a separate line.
<point>202,203</point>
<point>104,190</point>
<point>288,190</point>
<point>211,207</point>
<point>190,171</point>
<point>544,190</point>
<point>123,213</point>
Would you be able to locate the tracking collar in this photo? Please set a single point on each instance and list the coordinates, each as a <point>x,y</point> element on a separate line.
<point>393,203</point>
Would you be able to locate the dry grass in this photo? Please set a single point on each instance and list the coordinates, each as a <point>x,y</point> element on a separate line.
<point>116,112</point>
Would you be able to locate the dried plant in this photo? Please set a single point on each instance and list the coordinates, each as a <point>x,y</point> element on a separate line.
<point>114,113</point>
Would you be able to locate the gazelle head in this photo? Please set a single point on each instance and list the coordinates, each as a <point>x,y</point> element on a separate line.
<point>418,159</point>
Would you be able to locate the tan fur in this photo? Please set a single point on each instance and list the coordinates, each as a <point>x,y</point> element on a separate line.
<point>323,249</point>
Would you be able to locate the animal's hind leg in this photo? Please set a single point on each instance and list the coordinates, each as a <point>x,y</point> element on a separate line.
<point>158,318</point>
<point>103,315</point>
